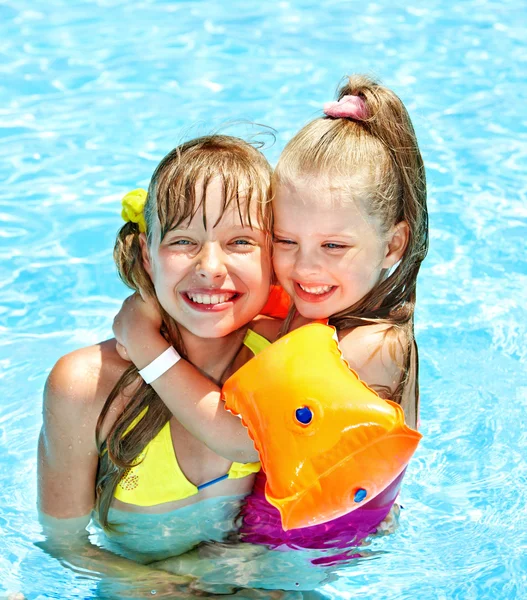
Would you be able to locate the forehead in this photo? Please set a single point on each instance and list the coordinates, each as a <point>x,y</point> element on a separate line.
<point>321,205</point>
<point>240,207</point>
<point>216,206</point>
<point>322,191</point>
<point>319,198</point>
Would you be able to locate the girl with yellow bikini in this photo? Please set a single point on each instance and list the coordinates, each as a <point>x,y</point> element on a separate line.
<point>109,447</point>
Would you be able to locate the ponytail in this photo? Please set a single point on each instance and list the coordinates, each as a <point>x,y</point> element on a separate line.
<point>376,137</point>
<point>128,257</point>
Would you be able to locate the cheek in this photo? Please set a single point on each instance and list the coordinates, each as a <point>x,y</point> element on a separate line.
<point>255,271</point>
<point>265,278</point>
<point>266,263</point>
<point>281,262</point>
<point>364,278</point>
<point>170,272</point>
<point>282,270</point>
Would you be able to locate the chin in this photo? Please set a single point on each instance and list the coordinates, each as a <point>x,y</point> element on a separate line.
<point>210,333</point>
<point>214,331</point>
<point>312,312</point>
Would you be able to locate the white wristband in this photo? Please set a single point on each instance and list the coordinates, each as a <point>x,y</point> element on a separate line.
<point>160,365</point>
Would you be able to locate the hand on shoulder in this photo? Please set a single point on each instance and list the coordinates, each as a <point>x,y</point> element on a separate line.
<point>135,324</point>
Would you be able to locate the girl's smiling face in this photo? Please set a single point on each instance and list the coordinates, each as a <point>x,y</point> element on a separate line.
<point>211,279</point>
<point>328,253</point>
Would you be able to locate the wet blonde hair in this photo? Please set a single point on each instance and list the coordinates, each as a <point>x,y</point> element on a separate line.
<point>381,152</point>
<point>176,192</point>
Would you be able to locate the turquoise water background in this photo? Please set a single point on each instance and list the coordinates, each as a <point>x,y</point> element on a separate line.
<point>94,93</point>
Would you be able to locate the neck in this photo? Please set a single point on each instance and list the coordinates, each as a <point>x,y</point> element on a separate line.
<point>299,321</point>
<point>212,356</point>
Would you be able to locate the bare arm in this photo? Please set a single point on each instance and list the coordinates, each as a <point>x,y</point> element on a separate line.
<point>377,358</point>
<point>67,541</point>
<point>192,397</point>
<point>67,466</point>
<point>67,453</point>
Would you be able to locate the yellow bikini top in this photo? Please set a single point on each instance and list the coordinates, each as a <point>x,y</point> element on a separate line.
<point>157,478</point>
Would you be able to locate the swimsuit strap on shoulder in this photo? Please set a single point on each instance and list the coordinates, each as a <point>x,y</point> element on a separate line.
<point>255,342</point>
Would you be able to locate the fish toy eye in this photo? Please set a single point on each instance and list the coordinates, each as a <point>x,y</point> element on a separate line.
<point>360,494</point>
<point>304,415</point>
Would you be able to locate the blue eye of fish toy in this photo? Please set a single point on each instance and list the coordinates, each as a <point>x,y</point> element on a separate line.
<point>360,494</point>
<point>304,415</point>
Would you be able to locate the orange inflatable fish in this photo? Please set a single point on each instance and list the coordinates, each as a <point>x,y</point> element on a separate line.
<point>327,442</point>
<point>277,304</point>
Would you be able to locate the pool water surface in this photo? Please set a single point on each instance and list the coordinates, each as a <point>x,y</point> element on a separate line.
<point>94,93</point>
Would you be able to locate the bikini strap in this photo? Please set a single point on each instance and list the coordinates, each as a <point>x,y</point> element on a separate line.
<point>255,342</point>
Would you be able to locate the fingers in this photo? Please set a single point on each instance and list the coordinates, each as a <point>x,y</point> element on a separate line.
<point>121,351</point>
<point>116,327</point>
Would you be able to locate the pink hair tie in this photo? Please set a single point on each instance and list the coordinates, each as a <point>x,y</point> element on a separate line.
<point>351,107</point>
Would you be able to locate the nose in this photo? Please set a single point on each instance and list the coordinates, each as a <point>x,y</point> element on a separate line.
<point>211,263</point>
<point>306,264</point>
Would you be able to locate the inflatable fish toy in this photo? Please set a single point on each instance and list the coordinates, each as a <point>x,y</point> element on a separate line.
<point>327,442</point>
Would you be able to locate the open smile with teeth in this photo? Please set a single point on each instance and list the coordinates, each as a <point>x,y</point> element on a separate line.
<point>318,291</point>
<point>216,298</point>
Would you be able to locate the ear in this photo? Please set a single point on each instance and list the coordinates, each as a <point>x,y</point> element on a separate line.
<point>145,254</point>
<point>397,242</point>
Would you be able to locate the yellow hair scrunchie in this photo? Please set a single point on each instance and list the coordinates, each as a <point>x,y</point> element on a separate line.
<point>133,205</point>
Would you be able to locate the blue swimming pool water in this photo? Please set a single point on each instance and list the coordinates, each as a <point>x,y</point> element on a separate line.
<point>94,93</point>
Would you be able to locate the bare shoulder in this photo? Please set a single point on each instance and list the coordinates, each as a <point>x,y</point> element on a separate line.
<point>80,375</point>
<point>80,382</point>
<point>377,354</point>
<point>268,327</point>
<point>75,392</point>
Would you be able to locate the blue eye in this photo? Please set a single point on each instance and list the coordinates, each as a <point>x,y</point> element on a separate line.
<point>285,242</point>
<point>333,246</point>
<point>304,415</point>
<point>243,243</point>
<point>182,243</point>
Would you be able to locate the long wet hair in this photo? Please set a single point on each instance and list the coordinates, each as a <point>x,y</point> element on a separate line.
<point>176,192</point>
<point>381,151</point>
